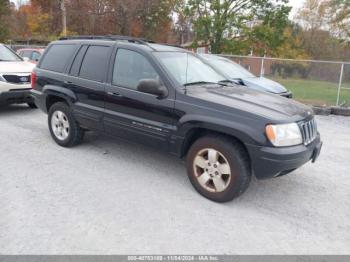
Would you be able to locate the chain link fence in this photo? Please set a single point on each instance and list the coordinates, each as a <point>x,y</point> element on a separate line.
<point>319,83</point>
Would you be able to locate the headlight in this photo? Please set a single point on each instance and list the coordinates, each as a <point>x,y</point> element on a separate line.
<point>284,135</point>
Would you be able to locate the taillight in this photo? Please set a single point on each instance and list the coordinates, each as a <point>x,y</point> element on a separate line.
<point>33,80</point>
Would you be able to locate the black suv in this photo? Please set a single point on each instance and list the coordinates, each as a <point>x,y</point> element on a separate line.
<point>166,97</point>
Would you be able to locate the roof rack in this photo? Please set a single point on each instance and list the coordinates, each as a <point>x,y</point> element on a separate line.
<point>109,37</point>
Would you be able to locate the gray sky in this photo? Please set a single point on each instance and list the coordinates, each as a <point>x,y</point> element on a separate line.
<point>296,4</point>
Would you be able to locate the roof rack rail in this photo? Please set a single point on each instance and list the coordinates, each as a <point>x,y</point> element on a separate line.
<point>108,37</point>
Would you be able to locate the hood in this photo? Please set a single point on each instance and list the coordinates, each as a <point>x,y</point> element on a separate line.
<point>269,106</point>
<point>16,67</point>
<point>264,84</point>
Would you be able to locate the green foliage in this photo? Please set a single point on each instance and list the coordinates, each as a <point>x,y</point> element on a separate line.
<point>268,35</point>
<point>241,21</point>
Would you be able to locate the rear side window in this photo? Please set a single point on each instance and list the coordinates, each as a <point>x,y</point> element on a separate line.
<point>94,66</point>
<point>57,57</point>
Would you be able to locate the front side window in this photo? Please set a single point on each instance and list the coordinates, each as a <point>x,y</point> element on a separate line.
<point>187,68</point>
<point>130,68</point>
<point>7,55</point>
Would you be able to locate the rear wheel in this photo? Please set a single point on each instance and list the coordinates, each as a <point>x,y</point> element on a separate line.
<point>63,127</point>
<point>218,168</point>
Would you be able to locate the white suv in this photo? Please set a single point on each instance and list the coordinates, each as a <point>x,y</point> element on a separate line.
<point>15,74</point>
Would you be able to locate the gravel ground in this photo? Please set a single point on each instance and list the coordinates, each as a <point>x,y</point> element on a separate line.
<point>111,197</point>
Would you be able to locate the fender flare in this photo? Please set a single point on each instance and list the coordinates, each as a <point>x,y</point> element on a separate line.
<point>64,93</point>
<point>244,133</point>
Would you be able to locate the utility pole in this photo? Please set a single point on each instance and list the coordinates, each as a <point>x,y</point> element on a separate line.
<point>64,18</point>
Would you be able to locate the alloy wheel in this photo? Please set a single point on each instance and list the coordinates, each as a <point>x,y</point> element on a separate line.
<point>212,170</point>
<point>60,125</point>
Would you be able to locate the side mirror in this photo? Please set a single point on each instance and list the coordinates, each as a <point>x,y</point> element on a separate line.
<point>153,87</point>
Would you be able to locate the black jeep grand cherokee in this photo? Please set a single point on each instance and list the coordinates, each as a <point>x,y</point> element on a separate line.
<point>168,98</point>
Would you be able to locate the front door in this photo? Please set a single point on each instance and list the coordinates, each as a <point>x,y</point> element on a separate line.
<point>134,115</point>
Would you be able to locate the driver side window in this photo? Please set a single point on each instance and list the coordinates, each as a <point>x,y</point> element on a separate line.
<point>130,67</point>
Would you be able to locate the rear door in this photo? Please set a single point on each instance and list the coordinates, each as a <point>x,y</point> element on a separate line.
<point>87,78</point>
<point>134,115</point>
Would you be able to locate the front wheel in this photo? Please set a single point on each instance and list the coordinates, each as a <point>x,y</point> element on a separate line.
<point>63,127</point>
<point>218,168</point>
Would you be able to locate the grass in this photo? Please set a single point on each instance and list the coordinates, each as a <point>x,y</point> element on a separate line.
<point>316,92</point>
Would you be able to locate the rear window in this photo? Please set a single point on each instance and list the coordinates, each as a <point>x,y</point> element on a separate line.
<point>57,57</point>
<point>26,53</point>
<point>94,66</point>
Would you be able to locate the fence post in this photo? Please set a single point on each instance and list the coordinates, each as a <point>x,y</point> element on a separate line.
<point>340,82</point>
<point>262,69</point>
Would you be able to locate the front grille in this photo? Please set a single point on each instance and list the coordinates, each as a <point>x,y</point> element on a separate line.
<point>309,131</point>
<point>17,79</point>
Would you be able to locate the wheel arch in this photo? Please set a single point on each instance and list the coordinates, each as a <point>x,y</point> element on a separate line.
<point>193,131</point>
<point>56,94</point>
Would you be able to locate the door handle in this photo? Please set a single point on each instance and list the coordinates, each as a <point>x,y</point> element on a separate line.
<point>68,82</point>
<point>114,94</point>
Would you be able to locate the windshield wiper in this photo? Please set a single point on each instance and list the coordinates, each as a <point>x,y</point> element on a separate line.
<point>200,83</point>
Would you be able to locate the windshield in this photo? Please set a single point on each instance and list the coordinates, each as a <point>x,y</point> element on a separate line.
<point>7,55</point>
<point>187,68</point>
<point>230,68</point>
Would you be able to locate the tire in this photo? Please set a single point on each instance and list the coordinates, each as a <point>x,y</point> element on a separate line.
<point>220,176</point>
<point>63,127</point>
<point>32,105</point>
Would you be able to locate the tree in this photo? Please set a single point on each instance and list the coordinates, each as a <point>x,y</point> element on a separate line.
<point>312,16</point>
<point>183,22</point>
<point>339,13</point>
<point>218,20</point>
<point>270,33</point>
<point>321,33</point>
<point>4,16</point>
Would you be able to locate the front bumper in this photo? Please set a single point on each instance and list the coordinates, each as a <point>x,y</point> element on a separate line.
<point>16,96</point>
<point>270,162</point>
